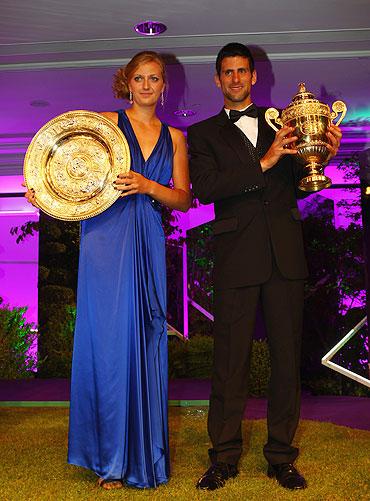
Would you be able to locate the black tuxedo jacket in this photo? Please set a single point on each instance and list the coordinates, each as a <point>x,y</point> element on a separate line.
<point>256,214</point>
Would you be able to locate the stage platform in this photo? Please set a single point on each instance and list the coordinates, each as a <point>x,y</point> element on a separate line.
<point>346,411</point>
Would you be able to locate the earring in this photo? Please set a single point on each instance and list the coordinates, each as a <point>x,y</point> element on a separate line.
<point>130,97</point>
<point>162,99</point>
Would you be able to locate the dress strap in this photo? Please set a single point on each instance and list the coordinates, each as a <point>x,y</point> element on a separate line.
<point>121,116</point>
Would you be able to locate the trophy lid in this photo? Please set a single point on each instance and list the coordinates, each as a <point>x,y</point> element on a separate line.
<point>302,95</point>
<point>305,108</point>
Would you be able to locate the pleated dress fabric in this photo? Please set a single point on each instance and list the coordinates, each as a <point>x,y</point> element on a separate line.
<point>118,415</point>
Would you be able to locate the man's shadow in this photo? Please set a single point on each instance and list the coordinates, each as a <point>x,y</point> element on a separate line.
<point>175,96</point>
<point>262,90</point>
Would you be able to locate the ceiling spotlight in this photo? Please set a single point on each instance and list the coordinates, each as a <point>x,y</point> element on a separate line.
<point>184,113</point>
<point>150,28</point>
<point>39,103</point>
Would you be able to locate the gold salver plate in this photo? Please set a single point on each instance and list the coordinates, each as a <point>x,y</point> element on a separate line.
<point>71,164</point>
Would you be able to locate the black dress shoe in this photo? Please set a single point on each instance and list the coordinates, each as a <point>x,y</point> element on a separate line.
<point>287,476</point>
<point>216,476</point>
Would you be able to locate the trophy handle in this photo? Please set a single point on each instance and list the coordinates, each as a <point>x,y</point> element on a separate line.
<point>338,107</point>
<point>273,114</point>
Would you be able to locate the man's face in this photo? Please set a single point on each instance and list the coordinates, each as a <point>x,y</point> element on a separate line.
<point>235,81</point>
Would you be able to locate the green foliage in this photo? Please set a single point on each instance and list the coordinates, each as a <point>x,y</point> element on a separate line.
<point>329,385</point>
<point>336,384</point>
<point>43,274</point>
<point>174,267</point>
<point>191,358</point>
<point>200,270</point>
<point>177,358</point>
<point>199,357</point>
<point>57,347</point>
<point>16,339</point>
<point>54,248</point>
<point>200,264</point>
<point>260,369</point>
<point>336,282</point>
<point>174,283</point>
<point>58,262</point>
<point>194,359</point>
<point>55,294</point>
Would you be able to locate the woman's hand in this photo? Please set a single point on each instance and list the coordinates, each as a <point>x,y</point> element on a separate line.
<point>279,147</point>
<point>30,195</point>
<point>176,197</point>
<point>132,183</point>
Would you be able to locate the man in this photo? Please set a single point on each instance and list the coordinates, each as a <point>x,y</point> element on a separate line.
<point>251,175</point>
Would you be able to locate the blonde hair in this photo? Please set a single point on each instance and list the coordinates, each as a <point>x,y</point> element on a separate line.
<point>123,75</point>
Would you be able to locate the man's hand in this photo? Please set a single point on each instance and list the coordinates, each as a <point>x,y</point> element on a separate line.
<point>279,147</point>
<point>334,135</point>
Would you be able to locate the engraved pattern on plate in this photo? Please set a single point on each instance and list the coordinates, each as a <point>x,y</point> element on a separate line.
<point>72,162</point>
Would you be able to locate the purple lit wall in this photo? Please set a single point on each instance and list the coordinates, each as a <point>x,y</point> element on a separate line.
<point>18,262</point>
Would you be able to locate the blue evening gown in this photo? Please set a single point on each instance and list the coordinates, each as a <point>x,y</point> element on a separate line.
<point>118,417</point>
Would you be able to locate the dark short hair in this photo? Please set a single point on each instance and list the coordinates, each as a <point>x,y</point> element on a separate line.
<point>231,50</point>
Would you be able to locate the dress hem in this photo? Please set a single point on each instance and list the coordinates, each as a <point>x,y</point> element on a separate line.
<point>125,481</point>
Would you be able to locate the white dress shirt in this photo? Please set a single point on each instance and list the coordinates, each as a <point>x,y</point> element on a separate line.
<point>248,125</point>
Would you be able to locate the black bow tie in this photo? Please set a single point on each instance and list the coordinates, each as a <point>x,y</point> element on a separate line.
<point>251,111</point>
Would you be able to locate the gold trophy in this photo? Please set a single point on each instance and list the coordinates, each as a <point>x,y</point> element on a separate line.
<point>310,120</point>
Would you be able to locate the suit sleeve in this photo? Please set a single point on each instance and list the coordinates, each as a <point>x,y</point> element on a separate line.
<point>209,182</point>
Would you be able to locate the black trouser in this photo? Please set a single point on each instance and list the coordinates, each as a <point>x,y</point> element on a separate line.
<point>235,313</point>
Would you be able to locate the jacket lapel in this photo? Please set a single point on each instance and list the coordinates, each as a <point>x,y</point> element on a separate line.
<point>265,133</point>
<point>234,137</point>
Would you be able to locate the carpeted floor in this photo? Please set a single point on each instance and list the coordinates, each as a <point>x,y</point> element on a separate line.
<point>334,459</point>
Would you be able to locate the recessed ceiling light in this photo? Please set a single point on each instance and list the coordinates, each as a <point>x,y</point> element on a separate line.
<point>39,103</point>
<point>184,113</point>
<point>150,28</point>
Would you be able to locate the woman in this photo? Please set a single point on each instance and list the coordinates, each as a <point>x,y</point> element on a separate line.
<point>118,415</point>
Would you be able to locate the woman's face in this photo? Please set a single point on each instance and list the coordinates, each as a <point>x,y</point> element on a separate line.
<point>146,84</point>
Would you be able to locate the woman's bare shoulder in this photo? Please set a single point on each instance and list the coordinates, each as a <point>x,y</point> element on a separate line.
<point>112,115</point>
<point>177,135</point>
